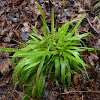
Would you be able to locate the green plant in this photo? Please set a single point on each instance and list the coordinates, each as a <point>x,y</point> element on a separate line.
<point>97,5</point>
<point>96,8</point>
<point>56,51</point>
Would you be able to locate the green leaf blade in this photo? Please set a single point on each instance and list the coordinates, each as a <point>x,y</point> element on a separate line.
<point>62,62</point>
<point>69,79</point>
<point>76,26</point>
<point>57,67</point>
<point>39,71</point>
<point>41,86</point>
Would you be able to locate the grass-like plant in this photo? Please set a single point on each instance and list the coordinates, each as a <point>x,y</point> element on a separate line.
<point>98,4</point>
<point>97,10</point>
<point>55,51</point>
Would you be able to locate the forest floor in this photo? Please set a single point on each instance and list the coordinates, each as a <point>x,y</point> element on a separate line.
<point>16,20</point>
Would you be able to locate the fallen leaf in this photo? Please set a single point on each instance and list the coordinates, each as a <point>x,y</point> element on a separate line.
<point>79,16</point>
<point>36,10</point>
<point>4,66</point>
<point>26,27</point>
<point>96,23</point>
<point>97,45</point>
<point>76,78</point>
<point>94,56</point>
<point>8,38</point>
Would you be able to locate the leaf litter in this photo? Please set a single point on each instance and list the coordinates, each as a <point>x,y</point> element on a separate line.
<point>16,20</point>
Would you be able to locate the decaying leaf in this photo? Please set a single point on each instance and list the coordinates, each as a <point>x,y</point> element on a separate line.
<point>91,58</point>
<point>94,57</point>
<point>36,10</point>
<point>26,27</point>
<point>79,16</point>
<point>8,38</point>
<point>96,23</point>
<point>4,66</point>
<point>25,31</point>
<point>76,78</point>
<point>97,45</point>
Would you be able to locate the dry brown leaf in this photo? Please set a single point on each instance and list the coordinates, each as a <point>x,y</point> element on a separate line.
<point>96,23</point>
<point>25,30</point>
<point>36,10</point>
<point>26,27</point>
<point>4,67</point>
<point>93,58</point>
<point>8,38</point>
<point>79,16</point>
<point>76,78</point>
<point>97,45</point>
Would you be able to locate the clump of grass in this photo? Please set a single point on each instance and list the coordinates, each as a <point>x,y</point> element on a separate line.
<point>56,51</point>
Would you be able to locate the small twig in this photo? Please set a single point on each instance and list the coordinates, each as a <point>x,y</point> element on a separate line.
<point>78,91</point>
<point>14,88</point>
<point>92,26</point>
<point>12,96</point>
<point>82,97</point>
<point>20,23</point>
